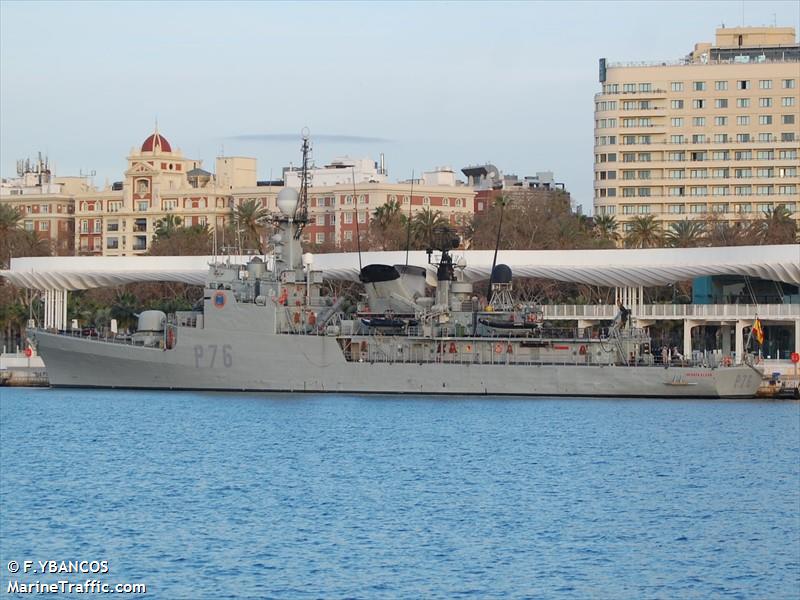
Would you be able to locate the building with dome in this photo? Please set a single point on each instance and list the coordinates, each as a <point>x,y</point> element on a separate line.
<point>159,181</point>
<point>121,219</point>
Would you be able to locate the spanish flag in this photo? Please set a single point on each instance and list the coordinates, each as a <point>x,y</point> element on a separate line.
<point>758,332</point>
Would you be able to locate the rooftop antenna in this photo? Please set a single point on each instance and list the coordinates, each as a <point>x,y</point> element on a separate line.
<point>358,231</point>
<point>301,212</point>
<point>408,221</point>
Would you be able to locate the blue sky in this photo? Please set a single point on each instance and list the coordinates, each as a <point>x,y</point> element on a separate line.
<point>426,83</point>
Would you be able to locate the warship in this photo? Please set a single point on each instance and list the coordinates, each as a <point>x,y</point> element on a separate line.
<point>273,325</point>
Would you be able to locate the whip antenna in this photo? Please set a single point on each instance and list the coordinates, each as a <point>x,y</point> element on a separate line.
<point>408,221</point>
<point>358,231</point>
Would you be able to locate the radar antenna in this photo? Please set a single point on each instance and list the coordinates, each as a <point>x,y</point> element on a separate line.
<point>301,212</point>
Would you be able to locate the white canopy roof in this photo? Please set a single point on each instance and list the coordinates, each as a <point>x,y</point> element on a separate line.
<point>614,268</point>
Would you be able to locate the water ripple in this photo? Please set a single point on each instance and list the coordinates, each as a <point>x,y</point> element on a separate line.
<point>255,496</point>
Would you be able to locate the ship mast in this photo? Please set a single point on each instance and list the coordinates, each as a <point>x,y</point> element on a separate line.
<point>301,212</point>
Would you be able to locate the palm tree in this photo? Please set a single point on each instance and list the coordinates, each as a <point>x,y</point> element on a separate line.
<point>686,234</point>
<point>9,219</point>
<point>167,226</point>
<point>643,233</point>
<point>606,228</point>
<point>124,309</point>
<point>249,218</point>
<point>424,226</point>
<point>385,215</point>
<point>776,226</point>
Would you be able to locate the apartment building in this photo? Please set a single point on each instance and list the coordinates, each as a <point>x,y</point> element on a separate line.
<point>714,134</point>
<point>46,202</point>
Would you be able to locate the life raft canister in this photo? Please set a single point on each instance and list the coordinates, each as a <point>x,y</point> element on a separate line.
<point>582,350</point>
<point>452,347</point>
<point>312,318</point>
<point>498,348</point>
<point>170,338</point>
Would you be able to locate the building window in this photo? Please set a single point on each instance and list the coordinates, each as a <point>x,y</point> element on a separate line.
<point>676,191</point>
<point>787,101</point>
<point>720,155</point>
<point>787,119</point>
<point>787,137</point>
<point>743,102</point>
<point>697,208</point>
<point>676,122</point>
<point>628,157</point>
<point>719,207</point>
<point>141,206</point>
<point>742,137</point>
<point>765,119</point>
<point>720,173</point>
<point>362,217</point>
<point>644,192</point>
<point>765,84</point>
<point>788,84</point>
<point>743,120</point>
<point>628,192</point>
<point>699,86</point>
<point>698,138</point>
<point>677,209</point>
<point>764,137</point>
<point>112,226</point>
<point>787,154</point>
<point>321,237</point>
<point>84,226</point>
<point>763,190</point>
<point>699,121</point>
<point>628,87</point>
<point>676,104</point>
<point>743,84</point>
<point>676,156</point>
<point>765,102</point>
<point>721,103</point>
<point>720,86</point>
<point>676,86</point>
<point>112,243</point>
<point>142,185</point>
<point>348,236</point>
<point>720,121</point>
<point>719,190</point>
<point>698,103</point>
<point>721,138</point>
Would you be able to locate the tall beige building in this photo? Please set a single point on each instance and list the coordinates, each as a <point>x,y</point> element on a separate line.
<point>714,134</point>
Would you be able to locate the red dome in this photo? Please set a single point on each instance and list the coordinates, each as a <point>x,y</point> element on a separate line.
<point>156,142</point>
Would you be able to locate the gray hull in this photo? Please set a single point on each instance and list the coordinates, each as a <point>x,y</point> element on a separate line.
<point>249,361</point>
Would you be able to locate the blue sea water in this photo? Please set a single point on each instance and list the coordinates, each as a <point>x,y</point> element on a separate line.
<point>277,496</point>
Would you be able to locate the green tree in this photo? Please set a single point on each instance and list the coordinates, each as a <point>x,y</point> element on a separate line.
<point>16,242</point>
<point>776,226</point>
<point>606,228</point>
<point>167,226</point>
<point>686,234</point>
<point>424,226</point>
<point>644,232</point>
<point>183,241</point>
<point>248,220</point>
<point>388,227</point>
